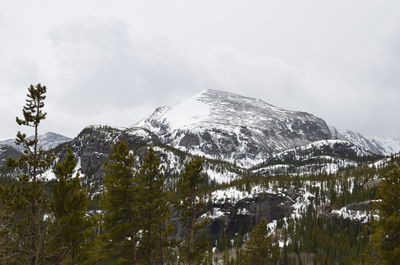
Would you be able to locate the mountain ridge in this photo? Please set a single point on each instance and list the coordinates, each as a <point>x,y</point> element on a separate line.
<point>47,141</point>
<point>228,126</point>
<point>245,130</point>
<point>247,136</point>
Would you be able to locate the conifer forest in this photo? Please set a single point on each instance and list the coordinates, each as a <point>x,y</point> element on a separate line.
<point>150,203</point>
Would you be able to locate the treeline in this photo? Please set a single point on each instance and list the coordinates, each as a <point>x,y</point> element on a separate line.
<point>50,224</point>
<point>321,235</point>
<point>138,219</point>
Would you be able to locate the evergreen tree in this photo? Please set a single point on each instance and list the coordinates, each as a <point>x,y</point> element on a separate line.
<point>259,249</point>
<point>68,206</point>
<point>387,232</point>
<point>121,233</point>
<point>191,191</point>
<point>24,227</point>
<point>153,211</point>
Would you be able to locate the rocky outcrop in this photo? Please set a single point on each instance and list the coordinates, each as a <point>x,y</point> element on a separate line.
<point>93,146</point>
<point>229,219</point>
<point>6,152</point>
<point>242,216</point>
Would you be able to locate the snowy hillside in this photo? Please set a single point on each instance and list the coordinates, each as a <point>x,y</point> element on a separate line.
<point>246,131</point>
<point>233,128</point>
<point>377,145</point>
<point>238,136</point>
<point>327,156</point>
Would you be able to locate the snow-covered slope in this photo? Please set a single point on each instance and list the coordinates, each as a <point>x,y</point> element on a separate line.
<point>47,141</point>
<point>246,131</point>
<point>327,156</point>
<point>233,128</point>
<point>377,145</point>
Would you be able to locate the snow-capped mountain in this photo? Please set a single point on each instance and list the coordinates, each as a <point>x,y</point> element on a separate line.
<point>238,136</point>
<point>233,128</point>
<point>247,131</point>
<point>381,146</point>
<point>47,141</point>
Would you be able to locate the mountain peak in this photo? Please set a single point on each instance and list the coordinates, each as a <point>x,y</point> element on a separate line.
<point>242,125</point>
<point>220,107</point>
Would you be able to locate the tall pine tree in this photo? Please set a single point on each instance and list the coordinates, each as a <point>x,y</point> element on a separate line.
<point>259,249</point>
<point>153,211</point>
<point>119,205</point>
<point>24,227</point>
<point>387,231</point>
<point>191,188</point>
<point>68,206</point>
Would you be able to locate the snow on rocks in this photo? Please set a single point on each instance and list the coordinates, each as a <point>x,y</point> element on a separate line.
<point>233,128</point>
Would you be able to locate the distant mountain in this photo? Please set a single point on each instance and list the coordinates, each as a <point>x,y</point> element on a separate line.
<point>381,146</point>
<point>247,131</point>
<point>233,128</point>
<point>240,139</point>
<point>94,143</point>
<point>47,141</point>
<point>237,136</point>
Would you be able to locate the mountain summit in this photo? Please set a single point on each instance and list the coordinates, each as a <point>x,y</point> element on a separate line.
<point>234,128</point>
<point>246,130</point>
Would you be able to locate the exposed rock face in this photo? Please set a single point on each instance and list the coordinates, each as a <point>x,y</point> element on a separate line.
<point>233,128</point>
<point>6,152</point>
<point>242,216</point>
<point>189,140</point>
<point>93,145</point>
<point>246,213</point>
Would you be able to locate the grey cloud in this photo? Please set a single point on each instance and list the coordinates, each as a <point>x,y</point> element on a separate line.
<point>113,64</point>
<point>105,66</point>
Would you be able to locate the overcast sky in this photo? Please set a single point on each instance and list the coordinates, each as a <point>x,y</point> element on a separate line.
<point>113,62</point>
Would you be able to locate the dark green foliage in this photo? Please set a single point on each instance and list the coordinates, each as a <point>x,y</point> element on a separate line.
<point>191,189</point>
<point>327,238</point>
<point>68,205</point>
<point>117,244</point>
<point>47,223</point>
<point>387,229</point>
<point>259,249</point>
<point>23,230</point>
<point>24,204</point>
<point>34,161</point>
<point>153,211</point>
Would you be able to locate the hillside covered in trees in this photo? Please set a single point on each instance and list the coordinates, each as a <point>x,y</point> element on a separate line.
<point>137,200</point>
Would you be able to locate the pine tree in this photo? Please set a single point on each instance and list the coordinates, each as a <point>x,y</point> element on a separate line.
<point>153,211</point>
<point>259,249</point>
<point>24,226</point>
<point>68,206</point>
<point>191,191</point>
<point>387,231</point>
<point>121,233</point>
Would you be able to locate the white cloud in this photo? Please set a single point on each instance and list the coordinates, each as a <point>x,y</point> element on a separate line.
<point>114,63</point>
